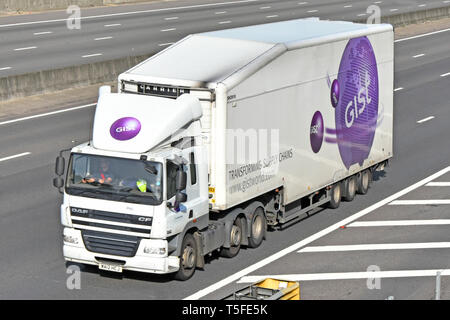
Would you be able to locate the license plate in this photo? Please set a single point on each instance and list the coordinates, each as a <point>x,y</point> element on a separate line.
<point>110,267</point>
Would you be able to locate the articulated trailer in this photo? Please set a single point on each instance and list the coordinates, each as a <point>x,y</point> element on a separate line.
<point>224,134</point>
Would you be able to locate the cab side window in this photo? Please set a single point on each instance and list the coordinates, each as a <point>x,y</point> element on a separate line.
<point>171,179</point>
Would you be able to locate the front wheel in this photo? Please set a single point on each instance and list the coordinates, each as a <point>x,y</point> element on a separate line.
<point>188,258</point>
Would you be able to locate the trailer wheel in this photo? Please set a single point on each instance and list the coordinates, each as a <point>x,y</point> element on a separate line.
<point>188,258</point>
<point>235,240</point>
<point>350,188</point>
<point>364,182</point>
<point>336,194</point>
<point>257,228</point>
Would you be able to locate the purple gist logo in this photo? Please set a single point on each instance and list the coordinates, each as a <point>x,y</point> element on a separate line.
<point>316,132</point>
<point>356,111</point>
<point>125,128</point>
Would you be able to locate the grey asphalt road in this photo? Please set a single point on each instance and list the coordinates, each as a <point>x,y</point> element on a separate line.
<point>43,41</point>
<point>32,266</point>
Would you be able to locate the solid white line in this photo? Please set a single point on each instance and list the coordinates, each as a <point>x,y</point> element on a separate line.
<point>26,48</point>
<point>92,55</point>
<point>438,184</point>
<point>170,29</point>
<point>15,156</point>
<point>395,223</point>
<point>419,55</point>
<point>419,202</point>
<point>5,68</point>
<point>422,35</point>
<point>234,277</point>
<point>348,275</point>
<point>112,25</point>
<point>132,13</point>
<point>46,114</point>
<point>445,74</point>
<point>104,38</point>
<point>370,247</point>
<point>426,119</point>
<point>41,33</point>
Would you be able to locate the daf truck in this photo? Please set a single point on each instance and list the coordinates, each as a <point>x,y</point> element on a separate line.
<point>224,134</point>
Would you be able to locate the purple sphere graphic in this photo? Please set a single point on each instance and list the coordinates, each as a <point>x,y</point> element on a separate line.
<point>356,113</point>
<point>334,93</point>
<point>316,132</point>
<point>125,128</point>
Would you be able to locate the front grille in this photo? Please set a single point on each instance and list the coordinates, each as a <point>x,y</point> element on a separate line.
<point>110,243</point>
<point>111,222</point>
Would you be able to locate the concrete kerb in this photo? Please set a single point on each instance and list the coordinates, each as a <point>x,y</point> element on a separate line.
<point>47,81</point>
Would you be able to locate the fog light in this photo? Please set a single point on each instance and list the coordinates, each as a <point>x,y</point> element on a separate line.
<point>155,251</point>
<point>70,239</point>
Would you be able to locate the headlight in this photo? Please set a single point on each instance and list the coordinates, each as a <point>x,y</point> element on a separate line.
<point>155,251</point>
<point>70,239</point>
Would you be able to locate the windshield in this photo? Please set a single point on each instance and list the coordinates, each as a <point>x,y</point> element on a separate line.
<point>127,180</point>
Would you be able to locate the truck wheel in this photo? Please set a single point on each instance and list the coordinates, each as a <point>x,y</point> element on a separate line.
<point>336,194</point>
<point>188,258</point>
<point>364,182</point>
<point>350,190</point>
<point>257,228</point>
<point>235,240</point>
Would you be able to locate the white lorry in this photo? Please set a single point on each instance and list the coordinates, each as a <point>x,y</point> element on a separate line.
<point>224,134</point>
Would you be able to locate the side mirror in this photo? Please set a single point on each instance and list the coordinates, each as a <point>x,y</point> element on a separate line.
<point>58,183</point>
<point>60,165</point>
<point>180,197</point>
<point>181,180</point>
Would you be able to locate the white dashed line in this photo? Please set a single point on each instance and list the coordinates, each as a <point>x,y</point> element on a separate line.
<point>171,18</point>
<point>272,16</point>
<point>348,6</point>
<point>265,8</point>
<point>170,29</point>
<point>92,55</point>
<point>382,246</point>
<point>104,38</point>
<point>15,156</point>
<point>419,55</point>
<point>220,12</point>
<point>112,25</point>
<point>419,202</point>
<point>438,184</point>
<point>399,223</point>
<point>302,3</point>
<point>426,119</point>
<point>41,33</point>
<point>312,11</point>
<point>224,22</point>
<point>398,89</point>
<point>165,44</point>
<point>5,68</point>
<point>26,48</point>
<point>422,5</point>
<point>445,74</point>
<point>393,10</point>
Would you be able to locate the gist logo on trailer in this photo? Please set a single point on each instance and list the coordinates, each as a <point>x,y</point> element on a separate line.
<point>125,128</point>
<point>354,96</point>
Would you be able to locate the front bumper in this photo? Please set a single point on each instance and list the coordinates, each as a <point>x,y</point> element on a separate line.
<point>141,262</point>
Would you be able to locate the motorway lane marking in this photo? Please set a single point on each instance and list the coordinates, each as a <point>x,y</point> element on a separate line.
<point>265,8</point>
<point>225,22</point>
<point>5,68</point>
<point>103,38</point>
<point>422,5</point>
<point>312,11</point>
<point>419,202</point>
<point>15,156</point>
<point>272,16</point>
<point>395,223</point>
<point>170,29</point>
<point>171,18</point>
<point>132,12</point>
<point>112,25</point>
<point>438,184</point>
<point>380,246</point>
<point>302,243</point>
<point>426,119</point>
<point>348,6</point>
<point>166,44</point>
<point>445,74</point>
<point>302,3</point>
<point>220,12</point>
<point>348,275</point>
<point>26,48</point>
<point>41,33</point>
<point>422,35</point>
<point>46,114</point>
<point>419,55</point>
<point>398,89</point>
<point>393,10</point>
<point>92,55</point>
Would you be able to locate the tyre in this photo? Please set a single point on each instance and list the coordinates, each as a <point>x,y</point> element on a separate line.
<point>235,240</point>
<point>350,188</point>
<point>188,258</point>
<point>257,228</point>
<point>364,182</point>
<point>336,194</point>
